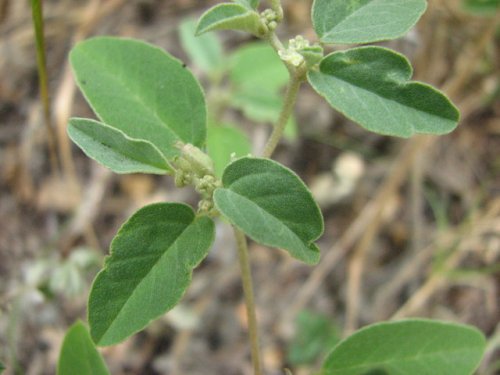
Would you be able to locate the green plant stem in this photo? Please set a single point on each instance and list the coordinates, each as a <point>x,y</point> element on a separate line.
<point>246,278</point>
<point>37,13</point>
<point>288,106</point>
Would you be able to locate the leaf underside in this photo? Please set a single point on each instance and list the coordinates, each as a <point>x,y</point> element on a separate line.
<point>370,85</point>
<point>272,206</point>
<point>410,347</point>
<point>115,150</point>
<point>148,271</point>
<point>78,354</point>
<point>364,21</point>
<point>141,90</point>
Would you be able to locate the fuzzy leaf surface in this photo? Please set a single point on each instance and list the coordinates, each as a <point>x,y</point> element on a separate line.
<point>364,21</point>
<point>115,150</point>
<point>410,347</point>
<point>222,142</point>
<point>79,355</point>
<point>205,51</point>
<point>149,268</point>
<point>270,204</point>
<point>230,17</point>
<point>141,90</point>
<point>251,4</point>
<point>370,85</point>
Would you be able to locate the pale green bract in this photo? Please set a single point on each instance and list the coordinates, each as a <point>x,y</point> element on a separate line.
<point>79,355</point>
<point>148,270</point>
<point>364,21</point>
<point>115,150</point>
<point>142,91</point>
<point>409,347</point>
<point>370,85</point>
<point>230,17</point>
<point>270,204</point>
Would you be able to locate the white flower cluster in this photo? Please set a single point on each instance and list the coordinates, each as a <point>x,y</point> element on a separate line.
<point>292,55</point>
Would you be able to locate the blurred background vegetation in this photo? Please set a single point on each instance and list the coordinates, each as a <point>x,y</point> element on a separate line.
<point>412,226</point>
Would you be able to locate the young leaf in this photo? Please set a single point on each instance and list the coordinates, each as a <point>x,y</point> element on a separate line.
<point>259,67</point>
<point>410,347</point>
<point>148,271</point>
<point>79,355</point>
<point>205,51</point>
<point>141,90</point>
<point>222,142</point>
<point>251,4</point>
<point>230,17</point>
<point>115,150</point>
<point>364,21</point>
<point>370,85</point>
<point>271,205</point>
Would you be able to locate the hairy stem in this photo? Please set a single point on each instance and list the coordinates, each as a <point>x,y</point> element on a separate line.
<point>246,278</point>
<point>288,106</point>
<point>37,13</point>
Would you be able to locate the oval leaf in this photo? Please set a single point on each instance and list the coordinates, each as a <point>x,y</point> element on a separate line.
<point>148,271</point>
<point>410,347</point>
<point>224,143</point>
<point>115,150</point>
<point>78,355</point>
<point>205,51</point>
<point>141,90</point>
<point>271,205</point>
<point>364,21</point>
<point>230,17</point>
<point>370,85</point>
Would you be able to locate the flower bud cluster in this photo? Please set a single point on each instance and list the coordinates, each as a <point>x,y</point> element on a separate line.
<point>270,18</point>
<point>194,167</point>
<point>300,51</point>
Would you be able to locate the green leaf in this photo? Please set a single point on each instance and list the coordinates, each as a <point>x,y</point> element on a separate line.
<point>410,347</point>
<point>2,367</point>
<point>263,106</point>
<point>258,66</point>
<point>148,271</point>
<point>314,335</point>
<point>224,141</point>
<point>79,355</point>
<point>364,21</point>
<point>251,4</point>
<point>230,17</point>
<point>114,149</point>
<point>482,7</point>
<point>370,85</point>
<point>141,90</point>
<point>205,51</point>
<point>271,205</point>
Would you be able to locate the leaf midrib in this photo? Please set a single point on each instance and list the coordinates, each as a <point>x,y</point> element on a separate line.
<point>409,359</point>
<point>306,244</point>
<point>160,122</point>
<point>155,264</point>
<point>403,84</point>
<point>132,157</point>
